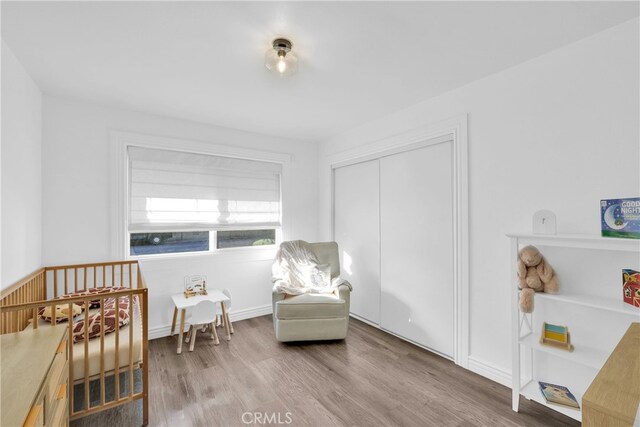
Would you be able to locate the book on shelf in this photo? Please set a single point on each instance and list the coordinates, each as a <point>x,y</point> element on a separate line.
<point>557,394</point>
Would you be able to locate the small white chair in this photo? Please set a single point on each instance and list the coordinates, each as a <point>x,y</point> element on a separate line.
<point>203,315</point>
<point>227,305</point>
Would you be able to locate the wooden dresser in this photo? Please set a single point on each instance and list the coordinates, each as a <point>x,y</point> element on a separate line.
<point>34,373</point>
<point>612,398</point>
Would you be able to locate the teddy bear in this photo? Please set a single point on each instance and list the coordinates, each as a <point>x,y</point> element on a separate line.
<point>534,275</point>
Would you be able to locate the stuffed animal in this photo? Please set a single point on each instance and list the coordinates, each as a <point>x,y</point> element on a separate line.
<point>62,312</point>
<point>534,275</point>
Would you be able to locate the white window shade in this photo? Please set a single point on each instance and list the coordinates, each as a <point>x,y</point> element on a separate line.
<point>175,191</point>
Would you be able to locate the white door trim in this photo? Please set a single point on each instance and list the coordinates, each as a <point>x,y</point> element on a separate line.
<point>454,129</point>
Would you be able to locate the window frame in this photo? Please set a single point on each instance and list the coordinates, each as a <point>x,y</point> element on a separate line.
<point>212,242</point>
<point>120,234</point>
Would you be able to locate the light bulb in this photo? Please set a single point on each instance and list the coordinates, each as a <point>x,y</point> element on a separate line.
<point>282,66</point>
<point>280,59</point>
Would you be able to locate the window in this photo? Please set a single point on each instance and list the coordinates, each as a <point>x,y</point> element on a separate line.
<point>187,202</point>
<point>165,243</point>
<point>239,238</point>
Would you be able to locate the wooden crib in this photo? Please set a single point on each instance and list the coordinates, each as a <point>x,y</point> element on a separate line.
<point>109,361</point>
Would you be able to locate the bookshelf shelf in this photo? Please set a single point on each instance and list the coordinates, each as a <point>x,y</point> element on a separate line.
<point>607,304</point>
<point>591,357</point>
<point>580,241</point>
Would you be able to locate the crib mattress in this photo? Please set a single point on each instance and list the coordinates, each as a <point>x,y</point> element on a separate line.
<point>110,350</point>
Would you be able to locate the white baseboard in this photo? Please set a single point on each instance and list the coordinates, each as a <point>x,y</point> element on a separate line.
<point>490,371</point>
<point>164,330</point>
<point>377,326</point>
<point>249,313</point>
<point>362,319</point>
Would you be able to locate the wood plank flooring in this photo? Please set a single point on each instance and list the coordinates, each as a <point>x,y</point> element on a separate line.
<point>370,379</point>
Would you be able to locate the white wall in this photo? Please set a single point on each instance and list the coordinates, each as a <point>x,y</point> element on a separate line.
<point>558,132</point>
<point>76,201</point>
<point>21,174</point>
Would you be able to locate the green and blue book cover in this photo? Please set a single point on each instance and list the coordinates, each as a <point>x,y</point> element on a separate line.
<point>558,394</point>
<point>620,218</point>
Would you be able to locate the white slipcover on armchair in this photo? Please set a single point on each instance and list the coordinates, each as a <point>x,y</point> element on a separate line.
<point>313,312</point>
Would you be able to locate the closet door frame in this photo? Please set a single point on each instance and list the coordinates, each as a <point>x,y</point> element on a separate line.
<point>455,130</point>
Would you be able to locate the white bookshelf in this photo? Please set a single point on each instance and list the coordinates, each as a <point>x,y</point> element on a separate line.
<point>590,354</point>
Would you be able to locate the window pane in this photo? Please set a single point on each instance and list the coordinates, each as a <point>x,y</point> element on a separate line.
<point>239,238</point>
<point>167,243</point>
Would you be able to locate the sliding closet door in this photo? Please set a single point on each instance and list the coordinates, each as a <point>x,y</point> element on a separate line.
<point>416,214</point>
<point>356,229</point>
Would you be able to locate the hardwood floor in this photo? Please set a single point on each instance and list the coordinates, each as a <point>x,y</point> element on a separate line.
<point>369,379</point>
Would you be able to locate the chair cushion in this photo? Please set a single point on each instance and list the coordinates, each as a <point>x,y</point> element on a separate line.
<point>311,306</point>
<point>327,253</point>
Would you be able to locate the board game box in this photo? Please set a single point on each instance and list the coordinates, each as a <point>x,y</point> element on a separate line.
<point>631,287</point>
<point>620,217</point>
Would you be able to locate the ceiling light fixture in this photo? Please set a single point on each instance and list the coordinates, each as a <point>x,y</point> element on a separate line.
<point>280,59</point>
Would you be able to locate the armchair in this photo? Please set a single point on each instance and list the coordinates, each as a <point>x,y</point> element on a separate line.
<point>311,317</point>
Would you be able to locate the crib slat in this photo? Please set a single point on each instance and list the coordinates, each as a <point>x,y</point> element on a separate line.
<point>28,314</point>
<point>130,275</point>
<point>10,315</point>
<point>104,275</point>
<point>121,274</point>
<point>102,384</point>
<point>71,377</point>
<point>85,279</point>
<point>36,293</point>
<point>131,299</point>
<point>117,367</point>
<point>86,355</point>
<point>25,313</point>
<point>66,290</point>
<point>145,351</point>
<point>35,289</point>
<point>7,321</point>
<point>20,295</point>
<point>55,283</point>
<point>113,275</point>
<point>95,269</point>
<point>9,318</point>
<point>75,280</point>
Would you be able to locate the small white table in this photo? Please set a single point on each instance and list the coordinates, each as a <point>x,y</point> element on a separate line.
<point>182,303</point>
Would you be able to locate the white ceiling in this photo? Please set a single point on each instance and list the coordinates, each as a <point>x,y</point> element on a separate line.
<point>203,61</point>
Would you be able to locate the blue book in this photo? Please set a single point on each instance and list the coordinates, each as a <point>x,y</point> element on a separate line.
<point>558,394</point>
